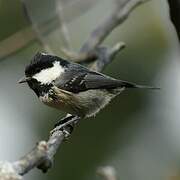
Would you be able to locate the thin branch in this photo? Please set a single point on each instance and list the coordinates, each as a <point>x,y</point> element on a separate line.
<point>105,56</point>
<point>119,15</point>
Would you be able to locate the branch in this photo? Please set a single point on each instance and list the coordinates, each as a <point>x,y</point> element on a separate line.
<point>105,56</point>
<point>174,7</point>
<point>118,16</point>
<point>41,156</point>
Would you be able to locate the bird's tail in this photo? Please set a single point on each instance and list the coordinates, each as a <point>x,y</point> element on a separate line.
<point>133,85</point>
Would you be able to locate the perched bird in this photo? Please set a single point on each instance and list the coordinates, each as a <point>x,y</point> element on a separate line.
<point>71,87</point>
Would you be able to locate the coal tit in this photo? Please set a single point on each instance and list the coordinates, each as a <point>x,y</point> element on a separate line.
<point>72,87</point>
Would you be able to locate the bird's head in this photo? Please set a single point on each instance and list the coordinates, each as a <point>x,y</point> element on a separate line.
<point>43,70</point>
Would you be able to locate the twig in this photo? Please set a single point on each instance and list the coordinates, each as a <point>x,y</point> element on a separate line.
<point>105,56</point>
<point>42,155</point>
<point>119,15</point>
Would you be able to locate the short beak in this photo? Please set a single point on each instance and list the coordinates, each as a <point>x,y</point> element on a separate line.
<point>24,79</point>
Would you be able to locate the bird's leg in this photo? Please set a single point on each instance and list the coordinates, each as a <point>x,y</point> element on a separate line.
<point>64,120</point>
<point>66,125</point>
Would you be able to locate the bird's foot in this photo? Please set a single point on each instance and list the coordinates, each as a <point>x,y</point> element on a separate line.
<point>66,125</point>
<point>64,120</point>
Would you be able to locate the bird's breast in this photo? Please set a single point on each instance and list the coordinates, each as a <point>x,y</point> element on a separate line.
<point>61,100</point>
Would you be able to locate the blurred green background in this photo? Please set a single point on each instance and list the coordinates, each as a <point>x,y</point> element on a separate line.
<point>138,133</point>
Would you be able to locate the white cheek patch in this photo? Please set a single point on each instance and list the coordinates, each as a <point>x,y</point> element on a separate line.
<point>48,75</point>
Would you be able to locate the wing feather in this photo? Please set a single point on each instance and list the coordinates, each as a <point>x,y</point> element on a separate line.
<point>78,81</point>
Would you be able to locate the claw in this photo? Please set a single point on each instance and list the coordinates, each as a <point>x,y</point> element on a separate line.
<point>66,126</point>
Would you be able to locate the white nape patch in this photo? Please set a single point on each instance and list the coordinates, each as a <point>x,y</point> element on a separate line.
<point>48,75</point>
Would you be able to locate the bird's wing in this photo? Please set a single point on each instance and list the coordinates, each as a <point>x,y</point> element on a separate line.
<point>78,81</point>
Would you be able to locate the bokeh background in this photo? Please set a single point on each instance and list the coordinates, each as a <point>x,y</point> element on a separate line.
<point>138,133</point>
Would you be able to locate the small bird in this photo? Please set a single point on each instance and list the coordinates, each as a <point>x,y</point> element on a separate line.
<point>71,87</point>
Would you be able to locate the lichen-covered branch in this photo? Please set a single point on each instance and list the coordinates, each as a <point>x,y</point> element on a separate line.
<point>41,156</point>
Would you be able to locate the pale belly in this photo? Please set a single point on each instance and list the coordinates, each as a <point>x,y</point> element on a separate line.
<point>84,104</point>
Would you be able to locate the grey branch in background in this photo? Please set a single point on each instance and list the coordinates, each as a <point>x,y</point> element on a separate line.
<point>41,156</point>
<point>120,14</point>
<point>117,17</point>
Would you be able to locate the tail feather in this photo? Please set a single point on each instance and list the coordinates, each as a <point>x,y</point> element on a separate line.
<point>133,85</point>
